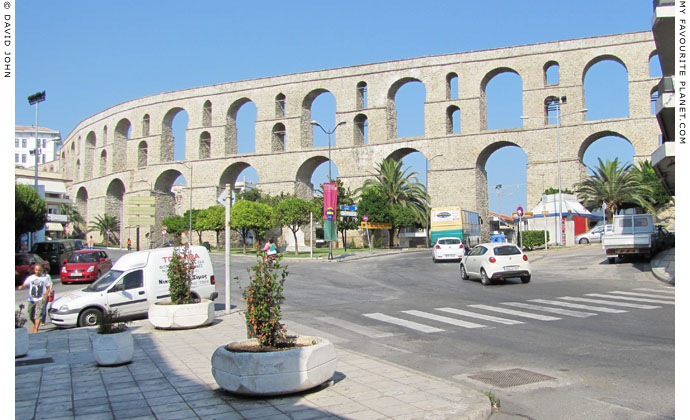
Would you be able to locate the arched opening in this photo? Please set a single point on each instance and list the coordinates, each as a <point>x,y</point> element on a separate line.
<point>607,146</point>
<point>103,168</point>
<point>606,88</point>
<point>143,155</point>
<point>240,175</point>
<point>239,127</point>
<point>113,204</point>
<point>82,200</point>
<point>653,98</point>
<point>503,167</point>
<point>90,155</point>
<point>453,120</point>
<point>362,95</point>
<point>322,109</point>
<point>170,193</point>
<point>146,125</point>
<point>551,73</point>
<point>452,86</point>
<point>311,175</point>
<point>361,130</point>
<point>123,131</point>
<point>206,119</point>
<point>278,138</point>
<point>173,137</point>
<point>405,108</point>
<point>501,99</point>
<point>77,175</point>
<point>280,106</point>
<point>205,145</point>
<point>655,65</point>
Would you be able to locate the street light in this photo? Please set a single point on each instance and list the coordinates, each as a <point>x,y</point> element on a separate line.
<point>191,179</point>
<point>35,99</point>
<point>555,105</point>
<point>330,178</point>
<point>427,196</point>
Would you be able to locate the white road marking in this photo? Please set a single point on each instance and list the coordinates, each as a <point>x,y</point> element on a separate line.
<point>578,306</point>
<point>608,302</point>
<point>648,295</point>
<point>403,323</point>
<point>444,319</point>
<point>666,302</point>
<point>668,290</point>
<point>565,312</point>
<point>505,321</point>
<point>359,329</point>
<point>516,313</point>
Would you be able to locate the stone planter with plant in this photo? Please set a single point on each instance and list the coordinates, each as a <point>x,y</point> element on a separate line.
<point>272,362</point>
<point>113,343</point>
<point>182,311</point>
<point>21,335</point>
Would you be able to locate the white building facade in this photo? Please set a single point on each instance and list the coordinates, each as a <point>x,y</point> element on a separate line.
<point>25,143</point>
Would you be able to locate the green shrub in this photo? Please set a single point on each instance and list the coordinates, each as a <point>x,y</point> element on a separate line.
<point>108,323</point>
<point>263,297</point>
<point>180,273</point>
<point>533,238</point>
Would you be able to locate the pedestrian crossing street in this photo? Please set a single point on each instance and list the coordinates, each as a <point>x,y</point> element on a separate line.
<point>478,316</point>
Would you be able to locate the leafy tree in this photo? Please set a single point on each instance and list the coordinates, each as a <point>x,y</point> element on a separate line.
<point>180,272</point>
<point>195,228</point>
<point>402,217</point>
<point>373,204</point>
<point>252,194</point>
<point>104,224</point>
<point>29,211</point>
<point>249,215</point>
<point>615,186</point>
<point>212,218</point>
<point>645,174</point>
<point>293,213</point>
<point>75,218</point>
<point>175,225</point>
<point>346,197</point>
<point>552,190</point>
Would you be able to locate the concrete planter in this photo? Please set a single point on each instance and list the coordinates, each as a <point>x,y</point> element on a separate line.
<point>191,315</point>
<point>275,373</point>
<point>113,349</point>
<point>21,342</point>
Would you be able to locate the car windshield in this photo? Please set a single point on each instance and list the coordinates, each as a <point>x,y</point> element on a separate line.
<point>83,257</point>
<point>451,241</point>
<point>506,250</point>
<point>44,247</point>
<point>104,281</point>
<point>21,260</point>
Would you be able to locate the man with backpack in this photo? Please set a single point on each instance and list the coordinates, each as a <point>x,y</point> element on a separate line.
<point>40,286</point>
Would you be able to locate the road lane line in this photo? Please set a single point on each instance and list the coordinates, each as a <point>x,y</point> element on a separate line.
<point>578,306</point>
<point>599,295</point>
<point>444,319</point>
<point>403,323</point>
<point>516,313</point>
<point>505,321</point>
<point>608,302</point>
<point>359,329</point>
<point>669,291</point>
<point>648,295</point>
<point>565,312</point>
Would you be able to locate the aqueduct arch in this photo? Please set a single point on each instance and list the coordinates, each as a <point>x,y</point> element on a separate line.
<point>284,155</point>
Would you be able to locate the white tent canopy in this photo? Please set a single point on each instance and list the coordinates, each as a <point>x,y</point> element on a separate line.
<point>570,205</point>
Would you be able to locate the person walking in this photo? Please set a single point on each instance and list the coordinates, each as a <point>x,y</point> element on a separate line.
<point>40,285</point>
<point>267,246</point>
<point>89,243</point>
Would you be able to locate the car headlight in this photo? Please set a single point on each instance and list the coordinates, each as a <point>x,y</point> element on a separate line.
<point>64,308</point>
<point>90,270</point>
<point>64,269</point>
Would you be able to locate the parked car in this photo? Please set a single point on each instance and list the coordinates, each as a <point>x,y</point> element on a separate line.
<point>85,265</point>
<point>494,261</point>
<point>55,252</point>
<point>664,238</point>
<point>24,264</point>
<point>449,248</point>
<point>79,244</point>
<point>593,235</point>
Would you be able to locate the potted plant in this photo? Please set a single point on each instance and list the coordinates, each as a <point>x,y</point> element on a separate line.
<point>113,343</point>
<point>182,311</point>
<point>21,335</point>
<point>271,362</point>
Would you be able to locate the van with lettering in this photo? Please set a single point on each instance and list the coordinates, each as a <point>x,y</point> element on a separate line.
<point>137,280</point>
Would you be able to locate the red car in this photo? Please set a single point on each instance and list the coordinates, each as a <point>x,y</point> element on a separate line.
<point>24,264</point>
<point>85,265</point>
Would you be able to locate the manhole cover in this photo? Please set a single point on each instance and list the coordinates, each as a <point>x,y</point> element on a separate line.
<point>33,361</point>
<point>510,377</point>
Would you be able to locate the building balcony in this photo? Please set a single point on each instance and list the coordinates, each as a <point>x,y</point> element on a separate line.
<point>666,108</point>
<point>663,24</point>
<point>664,163</point>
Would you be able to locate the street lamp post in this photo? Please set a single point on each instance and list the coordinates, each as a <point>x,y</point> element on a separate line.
<point>330,178</point>
<point>426,174</point>
<point>191,179</point>
<point>36,98</point>
<point>555,105</point>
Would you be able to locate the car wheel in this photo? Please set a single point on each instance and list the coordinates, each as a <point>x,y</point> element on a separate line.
<point>463,273</point>
<point>584,241</point>
<point>434,259</point>
<point>89,317</point>
<point>485,279</point>
<point>526,279</point>
<point>612,260</point>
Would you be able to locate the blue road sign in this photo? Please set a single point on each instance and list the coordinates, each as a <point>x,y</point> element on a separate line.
<point>348,208</point>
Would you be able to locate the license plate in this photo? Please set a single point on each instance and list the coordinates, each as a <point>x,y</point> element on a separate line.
<point>511,267</point>
<point>449,256</point>
<point>75,274</point>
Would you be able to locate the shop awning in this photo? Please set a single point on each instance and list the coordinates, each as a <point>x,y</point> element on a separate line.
<point>54,227</point>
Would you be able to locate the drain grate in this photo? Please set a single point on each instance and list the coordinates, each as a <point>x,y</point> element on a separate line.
<point>33,361</point>
<point>510,377</point>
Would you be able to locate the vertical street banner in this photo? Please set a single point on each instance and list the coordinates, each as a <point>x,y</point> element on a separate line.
<point>330,204</point>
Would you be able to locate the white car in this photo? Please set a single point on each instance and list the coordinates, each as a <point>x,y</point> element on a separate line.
<point>493,261</point>
<point>450,248</point>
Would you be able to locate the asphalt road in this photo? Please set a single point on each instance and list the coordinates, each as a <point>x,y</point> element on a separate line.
<point>599,365</point>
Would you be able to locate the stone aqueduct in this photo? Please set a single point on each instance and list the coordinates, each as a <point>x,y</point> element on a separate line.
<point>127,150</point>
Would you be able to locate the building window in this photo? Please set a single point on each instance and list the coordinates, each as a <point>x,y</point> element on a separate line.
<point>44,143</point>
<point>16,142</point>
<point>44,158</point>
<point>16,158</point>
<point>23,158</point>
<point>23,143</point>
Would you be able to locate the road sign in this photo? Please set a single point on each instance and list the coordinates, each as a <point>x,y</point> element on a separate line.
<point>375,225</point>
<point>365,218</point>
<point>348,213</point>
<point>141,199</point>
<point>141,221</point>
<point>348,208</point>
<point>141,210</point>
<point>520,211</point>
<point>529,213</point>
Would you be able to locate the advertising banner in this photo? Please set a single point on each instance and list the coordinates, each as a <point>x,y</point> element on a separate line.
<point>330,200</point>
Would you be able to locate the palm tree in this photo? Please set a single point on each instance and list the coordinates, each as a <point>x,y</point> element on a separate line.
<point>399,187</point>
<point>74,217</point>
<point>105,224</point>
<point>617,187</point>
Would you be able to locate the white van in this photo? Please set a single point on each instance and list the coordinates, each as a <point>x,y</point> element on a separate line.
<point>137,280</point>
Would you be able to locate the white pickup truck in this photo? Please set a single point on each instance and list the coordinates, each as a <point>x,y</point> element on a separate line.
<point>632,234</point>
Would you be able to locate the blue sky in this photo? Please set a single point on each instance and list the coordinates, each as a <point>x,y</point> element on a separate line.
<point>89,56</point>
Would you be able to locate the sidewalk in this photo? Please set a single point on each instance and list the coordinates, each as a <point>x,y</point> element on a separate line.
<point>170,378</point>
<point>664,266</point>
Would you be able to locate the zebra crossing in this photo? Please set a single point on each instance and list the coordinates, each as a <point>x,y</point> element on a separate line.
<point>514,313</point>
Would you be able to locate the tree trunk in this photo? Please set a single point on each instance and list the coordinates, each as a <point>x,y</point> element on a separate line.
<point>294,235</point>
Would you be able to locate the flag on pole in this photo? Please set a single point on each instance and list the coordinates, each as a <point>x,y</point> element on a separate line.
<point>330,204</point>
